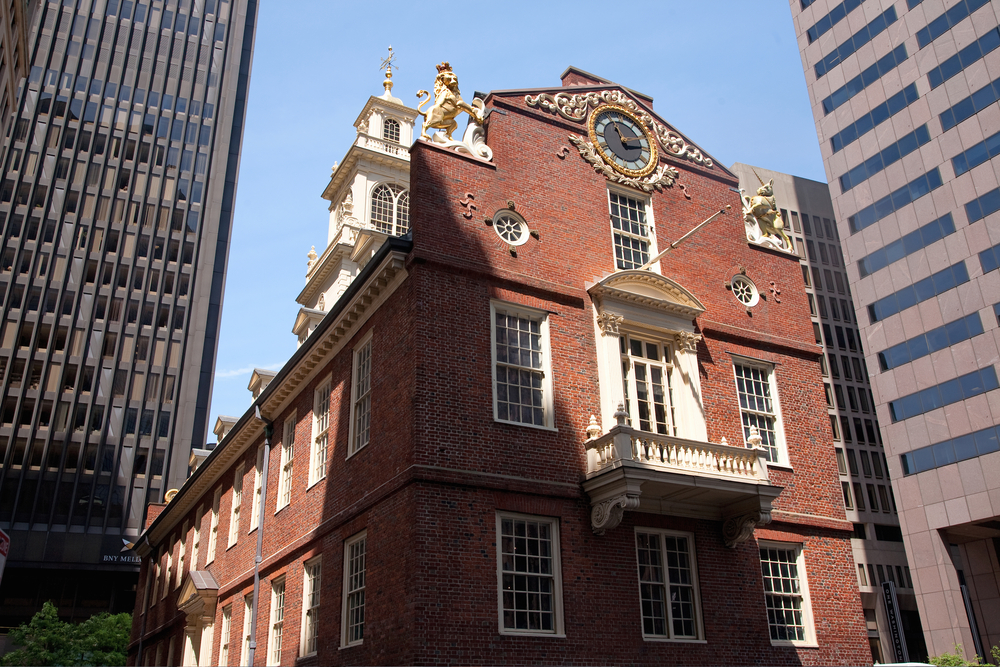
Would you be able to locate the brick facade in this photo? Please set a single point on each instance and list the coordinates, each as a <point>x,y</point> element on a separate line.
<point>438,468</point>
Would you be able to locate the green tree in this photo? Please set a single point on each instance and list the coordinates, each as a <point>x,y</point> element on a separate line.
<point>46,640</point>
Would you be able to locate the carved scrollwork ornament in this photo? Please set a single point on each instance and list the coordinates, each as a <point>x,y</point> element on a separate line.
<point>738,529</point>
<point>609,323</point>
<point>687,342</point>
<point>608,515</point>
<point>575,108</point>
<point>663,176</point>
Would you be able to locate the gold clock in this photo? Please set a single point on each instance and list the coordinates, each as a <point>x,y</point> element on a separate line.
<point>622,140</point>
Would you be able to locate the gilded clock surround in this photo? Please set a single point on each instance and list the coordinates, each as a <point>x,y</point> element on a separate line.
<point>610,158</point>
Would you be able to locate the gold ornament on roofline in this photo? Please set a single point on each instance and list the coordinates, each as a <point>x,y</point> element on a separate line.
<point>575,108</point>
<point>441,115</point>
<point>764,225</point>
<point>448,103</point>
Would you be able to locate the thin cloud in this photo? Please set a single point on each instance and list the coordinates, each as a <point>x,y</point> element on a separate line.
<point>246,370</point>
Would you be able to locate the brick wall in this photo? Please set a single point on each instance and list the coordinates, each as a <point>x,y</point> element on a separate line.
<point>438,468</point>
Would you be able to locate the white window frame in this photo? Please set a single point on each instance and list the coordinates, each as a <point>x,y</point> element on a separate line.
<point>312,579</point>
<point>630,384</point>
<point>398,192</point>
<point>150,596</point>
<point>247,617</point>
<point>277,624</point>
<point>320,442</point>
<point>158,565</point>
<point>224,637</point>
<point>287,463</point>
<point>649,238</point>
<point>558,628</point>
<point>808,626</point>
<point>361,397</point>
<point>781,458</point>
<point>385,129</point>
<point>213,529</point>
<point>258,476</point>
<point>196,537</point>
<point>170,566</point>
<point>354,588</point>
<point>181,555</point>
<point>666,587</point>
<point>536,315</point>
<point>236,506</point>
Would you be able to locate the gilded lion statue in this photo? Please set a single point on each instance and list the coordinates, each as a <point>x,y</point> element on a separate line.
<point>763,219</point>
<point>447,105</point>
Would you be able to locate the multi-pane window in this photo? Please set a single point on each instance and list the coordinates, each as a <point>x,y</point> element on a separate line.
<point>227,622</point>
<point>181,556</point>
<point>758,406</point>
<point>785,595</point>
<point>277,621</point>
<point>258,476</point>
<point>170,563</point>
<point>390,130</point>
<point>354,590</point>
<point>234,515</point>
<point>320,439</point>
<point>521,386</point>
<point>667,585</point>
<point>530,598</point>
<point>362,404</point>
<point>196,538</point>
<point>287,462</point>
<point>310,606</point>
<point>646,372</point>
<point>391,209</point>
<point>247,636</point>
<point>630,230</point>
<point>213,531</point>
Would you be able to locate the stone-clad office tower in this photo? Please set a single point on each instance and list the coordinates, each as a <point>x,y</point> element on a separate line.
<point>116,207</point>
<point>905,97</point>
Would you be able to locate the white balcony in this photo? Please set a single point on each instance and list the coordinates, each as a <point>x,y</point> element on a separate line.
<point>628,469</point>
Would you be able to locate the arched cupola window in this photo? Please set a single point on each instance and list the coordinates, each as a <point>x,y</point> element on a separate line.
<point>391,209</point>
<point>390,130</point>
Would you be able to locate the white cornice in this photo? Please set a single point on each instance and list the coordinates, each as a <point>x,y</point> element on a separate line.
<point>322,346</point>
<point>401,110</point>
<point>349,166</point>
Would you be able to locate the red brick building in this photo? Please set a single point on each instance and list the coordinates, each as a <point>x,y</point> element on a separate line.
<point>507,441</point>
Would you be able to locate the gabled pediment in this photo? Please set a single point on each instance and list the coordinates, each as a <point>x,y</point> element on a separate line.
<point>646,289</point>
<point>307,319</point>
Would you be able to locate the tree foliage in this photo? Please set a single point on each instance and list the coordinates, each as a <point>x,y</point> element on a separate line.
<point>46,640</point>
<point>956,659</point>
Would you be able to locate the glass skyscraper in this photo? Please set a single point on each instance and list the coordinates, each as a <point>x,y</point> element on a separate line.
<point>116,207</point>
<point>904,95</point>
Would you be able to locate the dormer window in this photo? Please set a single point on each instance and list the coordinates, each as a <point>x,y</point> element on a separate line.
<point>390,130</point>
<point>391,209</point>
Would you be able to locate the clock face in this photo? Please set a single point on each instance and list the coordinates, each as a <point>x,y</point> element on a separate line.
<point>622,140</point>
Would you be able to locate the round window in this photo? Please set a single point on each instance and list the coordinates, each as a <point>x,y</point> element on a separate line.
<point>745,291</point>
<point>510,227</point>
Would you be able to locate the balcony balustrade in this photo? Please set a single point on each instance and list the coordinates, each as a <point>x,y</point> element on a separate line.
<point>628,469</point>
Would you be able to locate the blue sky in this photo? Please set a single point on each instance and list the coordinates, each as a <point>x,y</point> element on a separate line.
<point>726,73</point>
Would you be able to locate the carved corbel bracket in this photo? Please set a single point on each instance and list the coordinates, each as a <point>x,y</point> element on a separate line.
<point>609,323</point>
<point>737,529</point>
<point>608,514</point>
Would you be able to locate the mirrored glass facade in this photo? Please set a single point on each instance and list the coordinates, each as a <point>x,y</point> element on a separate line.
<point>116,202</point>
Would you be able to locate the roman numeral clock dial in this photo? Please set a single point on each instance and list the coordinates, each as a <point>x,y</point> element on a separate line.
<point>622,140</point>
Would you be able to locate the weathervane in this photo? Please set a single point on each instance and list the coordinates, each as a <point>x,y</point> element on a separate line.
<point>387,64</point>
